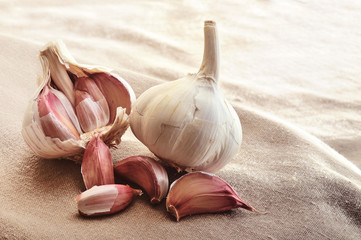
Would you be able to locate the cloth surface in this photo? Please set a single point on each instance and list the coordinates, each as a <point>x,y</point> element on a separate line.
<point>291,69</point>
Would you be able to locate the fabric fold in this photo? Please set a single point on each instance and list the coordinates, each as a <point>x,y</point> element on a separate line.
<point>289,68</point>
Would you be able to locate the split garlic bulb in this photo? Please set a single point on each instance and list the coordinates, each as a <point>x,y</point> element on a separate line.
<point>188,122</point>
<point>73,103</point>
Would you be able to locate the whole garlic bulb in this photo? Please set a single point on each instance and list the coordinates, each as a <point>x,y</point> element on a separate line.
<point>73,103</point>
<point>188,122</point>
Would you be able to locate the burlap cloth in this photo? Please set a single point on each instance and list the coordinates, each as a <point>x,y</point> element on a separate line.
<point>291,69</point>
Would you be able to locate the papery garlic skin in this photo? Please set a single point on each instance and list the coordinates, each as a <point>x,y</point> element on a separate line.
<point>188,122</point>
<point>109,94</point>
<point>59,74</point>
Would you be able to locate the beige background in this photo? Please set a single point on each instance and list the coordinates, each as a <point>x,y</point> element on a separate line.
<point>291,69</point>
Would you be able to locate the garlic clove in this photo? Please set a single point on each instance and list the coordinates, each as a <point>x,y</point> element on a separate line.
<point>90,104</point>
<point>116,91</point>
<point>97,164</point>
<point>201,192</point>
<point>43,145</point>
<point>105,199</point>
<point>68,108</point>
<point>147,173</point>
<point>90,114</point>
<point>187,122</point>
<point>54,117</point>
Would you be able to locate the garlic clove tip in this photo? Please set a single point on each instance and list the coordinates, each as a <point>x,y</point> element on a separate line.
<point>173,211</point>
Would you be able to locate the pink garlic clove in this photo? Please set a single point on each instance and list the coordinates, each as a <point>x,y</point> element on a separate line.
<point>105,199</point>
<point>147,173</point>
<point>90,104</point>
<point>201,192</point>
<point>116,91</point>
<point>54,118</point>
<point>97,165</point>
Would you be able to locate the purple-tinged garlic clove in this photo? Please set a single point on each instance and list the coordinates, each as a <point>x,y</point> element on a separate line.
<point>97,164</point>
<point>105,199</point>
<point>90,104</point>
<point>54,118</point>
<point>201,192</point>
<point>116,90</point>
<point>147,173</point>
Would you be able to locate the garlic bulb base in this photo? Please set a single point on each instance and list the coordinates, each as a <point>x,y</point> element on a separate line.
<point>178,168</point>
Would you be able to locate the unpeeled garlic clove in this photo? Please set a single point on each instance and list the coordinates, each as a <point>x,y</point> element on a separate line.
<point>201,192</point>
<point>97,164</point>
<point>90,105</point>
<point>116,91</point>
<point>54,117</point>
<point>147,173</point>
<point>105,199</point>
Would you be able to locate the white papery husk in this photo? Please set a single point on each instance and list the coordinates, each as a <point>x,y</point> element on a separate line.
<point>187,122</point>
<point>202,133</point>
<point>47,147</point>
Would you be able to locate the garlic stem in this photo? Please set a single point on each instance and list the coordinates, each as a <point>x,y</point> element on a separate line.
<point>210,63</point>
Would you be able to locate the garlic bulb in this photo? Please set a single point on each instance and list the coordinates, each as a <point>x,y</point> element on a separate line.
<point>187,122</point>
<point>73,103</point>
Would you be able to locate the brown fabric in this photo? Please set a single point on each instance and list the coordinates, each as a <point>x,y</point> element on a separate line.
<point>291,69</point>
